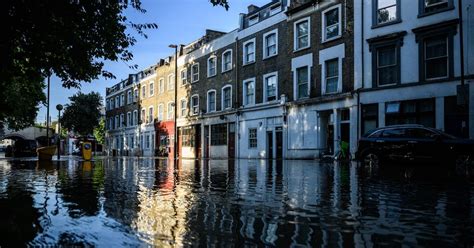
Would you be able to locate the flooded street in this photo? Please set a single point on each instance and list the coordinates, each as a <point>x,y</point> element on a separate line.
<point>141,202</point>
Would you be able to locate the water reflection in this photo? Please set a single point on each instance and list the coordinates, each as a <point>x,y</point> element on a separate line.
<point>244,202</point>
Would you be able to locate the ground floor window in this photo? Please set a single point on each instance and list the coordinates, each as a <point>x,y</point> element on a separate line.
<point>252,138</point>
<point>420,111</point>
<point>219,135</point>
<point>188,136</point>
<point>370,117</point>
<point>456,118</point>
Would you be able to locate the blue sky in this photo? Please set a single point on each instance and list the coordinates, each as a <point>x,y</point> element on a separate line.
<point>179,21</point>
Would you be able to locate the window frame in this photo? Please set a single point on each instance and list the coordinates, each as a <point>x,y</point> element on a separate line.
<point>122,100</point>
<point>129,97</point>
<point>325,76</point>
<point>244,92</point>
<point>184,80</point>
<point>143,93</point>
<point>161,112</point>
<point>208,103</point>
<point>252,140</point>
<point>143,116</point>
<point>323,23</point>
<point>223,67</point>
<point>265,90</point>
<point>171,82</point>
<point>297,83</point>
<point>375,9</point>
<point>295,34</point>
<point>193,72</point>
<point>223,107</point>
<point>277,7</point>
<point>422,8</point>
<point>425,59</point>
<point>265,44</point>
<point>181,107</point>
<point>192,106</point>
<point>117,101</point>
<point>135,118</point>
<point>150,114</point>
<point>253,17</point>
<point>129,119</point>
<point>212,57</point>
<point>245,51</point>
<point>151,89</point>
<point>170,111</point>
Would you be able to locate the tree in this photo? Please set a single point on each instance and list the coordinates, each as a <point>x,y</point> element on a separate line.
<point>82,115</point>
<point>99,132</point>
<point>70,39</point>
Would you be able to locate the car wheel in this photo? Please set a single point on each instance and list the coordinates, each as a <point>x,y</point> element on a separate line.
<point>371,158</point>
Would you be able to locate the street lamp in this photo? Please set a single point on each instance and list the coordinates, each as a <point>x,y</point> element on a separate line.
<point>59,107</point>
<point>175,100</point>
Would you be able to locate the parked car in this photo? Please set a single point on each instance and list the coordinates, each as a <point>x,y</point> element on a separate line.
<point>413,143</point>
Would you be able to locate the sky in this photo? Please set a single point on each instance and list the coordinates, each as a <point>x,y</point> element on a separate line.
<point>179,22</point>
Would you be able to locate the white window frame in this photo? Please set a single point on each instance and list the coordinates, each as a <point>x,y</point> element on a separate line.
<point>170,113</point>
<point>324,77</point>
<point>253,17</point>
<point>208,103</point>
<point>161,110</point>
<point>328,54</point>
<point>323,23</point>
<point>244,51</point>
<point>151,89</point>
<point>136,94</point>
<point>122,100</point>
<point>295,82</point>
<point>184,80</point>
<point>122,120</point>
<point>129,97</point>
<point>135,118</point>
<point>244,91</point>
<point>256,138</point>
<point>265,93</point>
<point>129,119</point>
<point>143,90</point>
<point>192,106</point>
<point>117,101</point>
<point>222,97</point>
<point>161,85</point>
<point>171,82</point>
<point>209,68</point>
<point>143,116</point>
<point>295,35</point>
<point>223,61</point>
<point>148,117</point>
<point>194,73</point>
<point>181,106</point>
<point>265,55</point>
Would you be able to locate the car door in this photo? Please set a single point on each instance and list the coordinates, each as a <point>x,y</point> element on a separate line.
<point>395,144</point>
<point>423,143</point>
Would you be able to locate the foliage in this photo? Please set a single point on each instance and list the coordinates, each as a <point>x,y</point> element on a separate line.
<point>99,132</point>
<point>82,115</point>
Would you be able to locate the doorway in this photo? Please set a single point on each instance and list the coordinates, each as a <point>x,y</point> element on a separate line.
<point>270,144</point>
<point>279,142</point>
<point>231,141</point>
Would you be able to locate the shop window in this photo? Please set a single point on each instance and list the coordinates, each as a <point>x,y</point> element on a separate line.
<point>370,116</point>
<point>219,135</point>
<point>411,112</point>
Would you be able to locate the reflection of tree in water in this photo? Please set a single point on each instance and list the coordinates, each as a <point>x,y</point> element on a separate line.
<point>80,188</point>
<point>19,219</point>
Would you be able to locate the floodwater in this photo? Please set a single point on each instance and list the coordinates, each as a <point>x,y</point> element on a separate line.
<point>147,202</point>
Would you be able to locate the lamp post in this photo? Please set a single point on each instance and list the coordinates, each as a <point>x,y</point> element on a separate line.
<point>175,148</point>
<point>59,107</point>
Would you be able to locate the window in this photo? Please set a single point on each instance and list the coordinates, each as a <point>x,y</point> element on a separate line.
<point>195,104</point>
<point>129,97</point>
<point>135,117</point>
<point>387,65</point>
<point>219,135</point>
<point>170,110</point>
<point>428,7</point>
<point>332,23</point>
<point>188,135</point>
<point>211,101</point>
<point>129,119</point>
<point>183,107</point>
<point>270,44</point>
<point>386,11</point>
<point>112,103</point>
<point>122,121</point>
<point>117,122</point>
<point>117,101</point>
<point>301,34</point>
<point>107,104</point>
<point>111,123</point>
<point>195,72</point>
<point>150,115</point>
<point>370,117</point>
<point>184,77</point>
<point>252,138</point>
<point>162,85</point>
<point>152,88</point>
<point>147,141</point>
<point>161,109</point>
<point>302,80</point>
<point>253,20</point>
<point>143,91</point>
<point>143,116</point>
<point>249,51</point>
<point>270,86</point>
<point>135,95</point>
<point>227,97</point>
<point>436,57</point>
<point>411,112</point>
<point>275,9</point>
<point>171,82</point>
<point>211,66</point>
<point>249,92</point>
<point>332,76</point>
<point>227,61</point>
<point>122,100</point>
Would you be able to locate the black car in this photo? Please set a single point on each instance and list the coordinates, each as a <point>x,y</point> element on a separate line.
<point>413,143</point>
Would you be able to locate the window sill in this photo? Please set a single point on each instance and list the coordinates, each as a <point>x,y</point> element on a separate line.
<point>301,49</point>
<point>249,63</point>
<point>331,39</point>
<point>193,82</point>
<point>224,71</point>
<point>421,15</point>
<point>211,76</point>
<point>269,57</point>
<point>386,24</point>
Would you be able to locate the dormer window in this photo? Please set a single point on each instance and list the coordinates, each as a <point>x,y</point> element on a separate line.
<point>253,20</point>
<point>275,9</point>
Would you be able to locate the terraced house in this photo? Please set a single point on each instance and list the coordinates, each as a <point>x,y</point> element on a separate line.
<point>297,77</point>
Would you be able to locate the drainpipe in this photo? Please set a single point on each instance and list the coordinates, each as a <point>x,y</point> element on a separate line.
<point>461,40</point>
<point>363,71</point>
<point>237,124</point>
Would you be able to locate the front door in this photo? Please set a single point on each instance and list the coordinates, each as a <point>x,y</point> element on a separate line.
<point>279,142</point>
<point>270,144</point>
<point>231,141</point>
